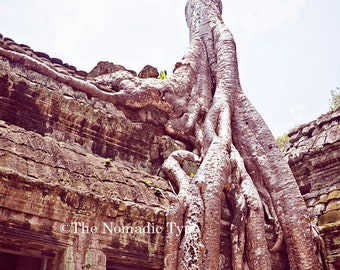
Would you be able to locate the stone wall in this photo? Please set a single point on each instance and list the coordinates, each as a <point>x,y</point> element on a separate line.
<point>78,175</point>
<point>42,104</point>
<point>314,157</point>
<point>53,193</point>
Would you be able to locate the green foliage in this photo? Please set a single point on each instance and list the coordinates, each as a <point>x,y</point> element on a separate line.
<point>163,75</point>
<point>148,182</point>
<point>334,101</point>
<point>107,162</point>
<point>282,141</point>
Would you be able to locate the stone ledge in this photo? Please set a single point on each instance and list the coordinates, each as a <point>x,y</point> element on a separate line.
<point>41,104</point>
<point>314,157</point>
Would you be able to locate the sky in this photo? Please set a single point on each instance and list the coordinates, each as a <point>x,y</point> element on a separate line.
<point>288,50</point>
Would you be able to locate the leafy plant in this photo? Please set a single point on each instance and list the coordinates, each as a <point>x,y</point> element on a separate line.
<point>334,101</point>
<point>282,141</point>
<point>148,182</point>
<point>107,162</point>
<point>163,75</point>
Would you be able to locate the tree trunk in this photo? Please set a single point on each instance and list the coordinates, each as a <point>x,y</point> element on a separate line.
<point>232,146</point>
<point>239,155</point>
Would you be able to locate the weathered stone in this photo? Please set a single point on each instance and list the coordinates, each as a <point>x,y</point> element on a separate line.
<point>49,184</point>
<point>105,67</point>
<point>60,198</point>
<point>315,163</point>
<point>148,72</point>
<point>58,111</point>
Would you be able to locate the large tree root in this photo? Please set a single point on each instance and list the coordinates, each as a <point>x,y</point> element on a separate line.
<point>231,120</point>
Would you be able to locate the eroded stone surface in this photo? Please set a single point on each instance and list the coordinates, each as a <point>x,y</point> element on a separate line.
<point>45,184</point>
<point>105,67</point>
<point>71,162</point>
<point>314,157</point>
<point>148,72</point>
<point>40,104</point>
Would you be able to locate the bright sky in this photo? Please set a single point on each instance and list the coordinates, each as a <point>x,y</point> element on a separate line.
<point>288,50</point>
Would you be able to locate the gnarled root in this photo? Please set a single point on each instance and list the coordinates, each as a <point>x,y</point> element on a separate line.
<point>237,226</point>
<point>272,217</point>
<point>180,226</point>
<point>258,256</point>
<point>320,248</point>
<point>192,249</point>
<point>278,242</point>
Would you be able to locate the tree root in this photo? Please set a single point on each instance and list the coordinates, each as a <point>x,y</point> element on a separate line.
<point>278,242</point>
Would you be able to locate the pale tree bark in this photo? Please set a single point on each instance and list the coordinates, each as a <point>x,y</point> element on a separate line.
<point>239,155</point>
<point>233,148</point>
